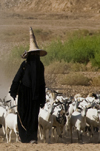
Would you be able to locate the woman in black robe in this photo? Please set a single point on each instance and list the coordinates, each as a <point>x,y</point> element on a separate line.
<point>29,84</point>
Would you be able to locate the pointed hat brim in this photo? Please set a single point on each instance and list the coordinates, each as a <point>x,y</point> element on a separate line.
<point>42,52</point>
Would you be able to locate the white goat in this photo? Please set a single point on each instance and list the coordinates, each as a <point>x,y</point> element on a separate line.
<point>48,119</point>
<point>3,112</point>
<point>93,120</point>
<point>59,121</point>
<point>45,122</point>
<point>72,107</point>
<point>50,95</point>
<point>77,120</point>
<point>11,124</point>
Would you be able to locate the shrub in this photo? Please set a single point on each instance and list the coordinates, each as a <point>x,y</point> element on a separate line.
<point>75,79</point>
<point>78,67</point>
<point>96,60</point>
<point>64,67</point>
<point>76,49</point>
<point>54,50</point>
<point>58,68</point>
<point>95,81</point>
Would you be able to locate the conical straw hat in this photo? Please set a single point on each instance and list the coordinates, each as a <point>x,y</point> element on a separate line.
<point>33,46</point>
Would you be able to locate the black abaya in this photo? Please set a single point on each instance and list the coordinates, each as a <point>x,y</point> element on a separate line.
<point>31,94</point>
<point>28,111</point>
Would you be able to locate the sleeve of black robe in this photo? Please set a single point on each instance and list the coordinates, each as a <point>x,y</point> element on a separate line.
<point>42,93</point>
<point>16,81</point>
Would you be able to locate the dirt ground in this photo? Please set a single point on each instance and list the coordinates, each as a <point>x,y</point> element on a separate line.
<point>14,30</point>
<point>62,145</point>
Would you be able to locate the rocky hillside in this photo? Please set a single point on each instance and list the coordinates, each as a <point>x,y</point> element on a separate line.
<point>52,5</point>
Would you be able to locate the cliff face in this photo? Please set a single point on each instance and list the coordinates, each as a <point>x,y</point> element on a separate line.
<point>51,5</point>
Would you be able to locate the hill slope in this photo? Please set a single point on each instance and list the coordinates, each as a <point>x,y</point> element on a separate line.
<point>51,5</point>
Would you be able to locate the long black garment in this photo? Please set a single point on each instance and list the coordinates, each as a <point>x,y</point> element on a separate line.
<point>31,94</point>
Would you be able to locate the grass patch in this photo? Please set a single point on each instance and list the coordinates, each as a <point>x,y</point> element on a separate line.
<point>58,68</point>
<point>75,67</point>
<point>75,79</point>
<point>76,49</point>
<point>64,67</point>
<point>95,81</point>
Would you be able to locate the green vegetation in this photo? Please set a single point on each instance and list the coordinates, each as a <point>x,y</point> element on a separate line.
<point>79,52</point>
<point>77,49</point>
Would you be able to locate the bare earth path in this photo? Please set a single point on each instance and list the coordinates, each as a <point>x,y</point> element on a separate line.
<point>50,147</point>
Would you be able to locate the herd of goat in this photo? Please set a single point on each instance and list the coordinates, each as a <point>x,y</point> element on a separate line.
<point>60,115</point>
